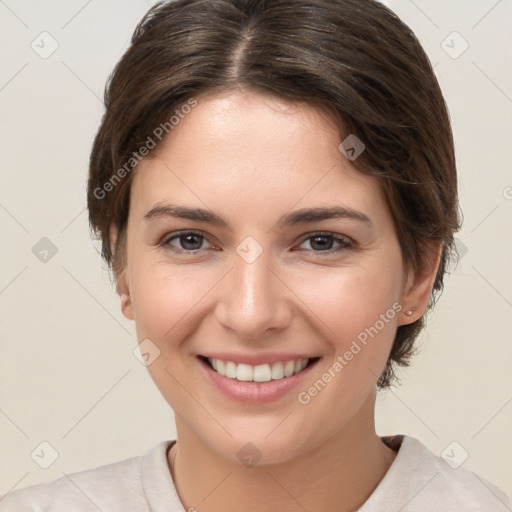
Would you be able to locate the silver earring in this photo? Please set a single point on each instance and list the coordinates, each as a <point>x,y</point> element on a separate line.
<point>409,312</point>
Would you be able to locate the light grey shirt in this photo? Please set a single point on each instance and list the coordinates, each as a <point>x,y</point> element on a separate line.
<point>417,481</point>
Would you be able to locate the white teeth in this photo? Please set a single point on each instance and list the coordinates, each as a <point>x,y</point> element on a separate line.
<point>289,368</point>
<point>221,368</point>
<point>230,369</point>
<point>244,372</point>
<point>260,373</point>
<point>277,371</point>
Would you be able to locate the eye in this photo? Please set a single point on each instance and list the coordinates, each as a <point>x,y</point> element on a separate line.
<point>192,242</point>
<point>323,243</point>
<point>188,241</point>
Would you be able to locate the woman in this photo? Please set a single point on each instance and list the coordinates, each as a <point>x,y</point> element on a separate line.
<point>274,185</point>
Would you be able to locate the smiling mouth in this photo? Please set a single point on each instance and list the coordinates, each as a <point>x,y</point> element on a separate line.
<point>259,373</point>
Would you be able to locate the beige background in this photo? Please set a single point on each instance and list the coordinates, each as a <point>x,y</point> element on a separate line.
<point>68,376</point>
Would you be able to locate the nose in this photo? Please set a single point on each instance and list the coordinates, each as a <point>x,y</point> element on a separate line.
<point>253,299</point>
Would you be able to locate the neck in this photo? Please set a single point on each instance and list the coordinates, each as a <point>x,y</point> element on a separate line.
<point>339,474</point>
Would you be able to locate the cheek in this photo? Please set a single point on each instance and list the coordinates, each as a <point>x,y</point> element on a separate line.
<point>356,312</point>
<point>355,304</point>
<point>167,300</point>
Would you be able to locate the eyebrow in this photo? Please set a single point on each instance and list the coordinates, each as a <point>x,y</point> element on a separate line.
<point>302,216</point>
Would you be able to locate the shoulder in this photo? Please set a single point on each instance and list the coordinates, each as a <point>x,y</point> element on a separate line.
<point>116,487</point>
<point>420,481</point>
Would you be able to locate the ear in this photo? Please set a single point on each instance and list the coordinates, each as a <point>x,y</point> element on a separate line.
<point>123,290</point>
<point>418,286</point>
<point>122,282</point>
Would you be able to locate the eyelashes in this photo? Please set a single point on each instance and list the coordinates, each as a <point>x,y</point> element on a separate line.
<point>191,243</point>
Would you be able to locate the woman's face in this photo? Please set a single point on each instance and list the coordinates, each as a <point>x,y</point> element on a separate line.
<point>265,283</point>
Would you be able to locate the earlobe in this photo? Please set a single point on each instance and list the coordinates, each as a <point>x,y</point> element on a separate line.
<point>419,285</point>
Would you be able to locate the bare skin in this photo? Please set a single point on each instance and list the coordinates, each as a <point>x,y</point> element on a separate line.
<point>251,159</point>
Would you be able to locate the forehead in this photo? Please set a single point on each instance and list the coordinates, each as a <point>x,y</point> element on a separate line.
<point>256,151</point>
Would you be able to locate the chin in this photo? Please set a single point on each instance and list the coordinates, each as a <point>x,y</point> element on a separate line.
<point>263,446</point>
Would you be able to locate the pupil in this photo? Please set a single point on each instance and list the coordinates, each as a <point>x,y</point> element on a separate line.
<point>321,246</point>
<point>191,239</point>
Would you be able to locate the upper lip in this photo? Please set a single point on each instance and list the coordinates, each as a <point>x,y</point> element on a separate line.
<point>257,359</point>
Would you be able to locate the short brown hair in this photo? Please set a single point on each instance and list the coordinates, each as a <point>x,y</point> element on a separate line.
<point>355,58</point>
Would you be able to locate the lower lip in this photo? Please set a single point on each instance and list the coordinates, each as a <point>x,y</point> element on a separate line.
<point>254,392</point>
